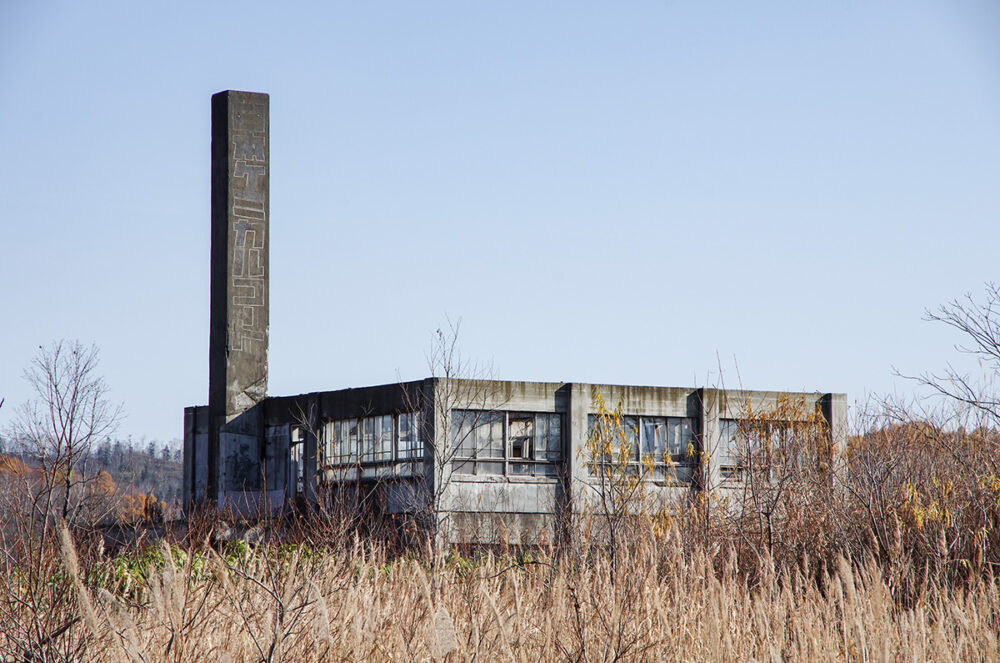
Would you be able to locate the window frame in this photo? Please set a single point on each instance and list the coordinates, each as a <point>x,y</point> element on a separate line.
<point>733,465</point>
<point>535,466</point>
<point>343,441</point>
<point>663,472</point>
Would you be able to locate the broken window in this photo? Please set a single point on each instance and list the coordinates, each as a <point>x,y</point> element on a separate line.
<point>513,443</point>
<point>521,429</point>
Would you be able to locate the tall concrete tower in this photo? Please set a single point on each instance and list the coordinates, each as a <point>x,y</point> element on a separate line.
<point>239,310</point>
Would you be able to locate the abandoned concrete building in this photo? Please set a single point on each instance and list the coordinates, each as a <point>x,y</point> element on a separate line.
<point>481,451</point>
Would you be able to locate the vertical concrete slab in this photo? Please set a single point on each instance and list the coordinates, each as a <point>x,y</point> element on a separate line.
<point>711,466</point>
<point>187,489</point>
<point>580,399</point>
<point>239,292</point>
<point>437,399</point>
<point>834,409</point>
<point>196,442</point>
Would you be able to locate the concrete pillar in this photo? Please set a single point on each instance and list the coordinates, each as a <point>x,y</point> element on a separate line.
<point>834,409</point>
<point>239,292</point>
<point>711,405</point>
<point>438,398</point>
<point>580,401</point>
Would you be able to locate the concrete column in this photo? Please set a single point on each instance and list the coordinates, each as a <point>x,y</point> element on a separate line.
<point>190,448</point>
<point>576,441</point>
<point>239,292</point>
<point>834,408</point>
<point>711,403</point>
<point>439,396</point>
<point>196,442</point>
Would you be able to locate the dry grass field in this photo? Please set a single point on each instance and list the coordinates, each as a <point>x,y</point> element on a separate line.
<point>665,602</point>
<point>886,554</point>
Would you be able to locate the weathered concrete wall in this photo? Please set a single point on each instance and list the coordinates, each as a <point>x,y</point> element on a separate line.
<point>501,508</point>
<point>500,528</point>
<point>240,244</point>
<point>634,400</point>
<point>344,403</point>
<point>732,403</point>
<point>403,480</point>
<point>511,503</point>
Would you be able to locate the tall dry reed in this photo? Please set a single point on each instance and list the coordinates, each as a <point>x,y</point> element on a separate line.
<point>663,602</point>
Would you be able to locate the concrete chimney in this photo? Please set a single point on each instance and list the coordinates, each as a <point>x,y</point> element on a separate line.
<point>239,299</point>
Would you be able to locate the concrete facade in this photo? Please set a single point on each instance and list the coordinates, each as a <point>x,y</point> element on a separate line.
<point>490,459</point>
<point>511,491</point>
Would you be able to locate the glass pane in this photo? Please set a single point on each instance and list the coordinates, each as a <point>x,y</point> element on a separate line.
<point>596,428</point>
<point>417,444</point>
<point>354,438</point>
<point>548,437</point>
<point>630,431</point>
<point>327,442</point>
<point>367,439</point>
<point>546,470</point>
<point>728,448</point>
<point>541,435</point>
<point>464,467</point>
<point>340,440</point>
<point>401,441</point>
<point>463,435</point>
<point>522,468</point>
<point>681,438</point>
<point>653,437</point>
<point>385,438</point>
<point>490,435</point>
<point>489,468</point>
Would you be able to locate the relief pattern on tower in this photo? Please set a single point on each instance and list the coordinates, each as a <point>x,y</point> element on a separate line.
<point>249,190</point>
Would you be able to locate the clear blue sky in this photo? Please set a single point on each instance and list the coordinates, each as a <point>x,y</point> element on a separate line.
<point>606,192</point>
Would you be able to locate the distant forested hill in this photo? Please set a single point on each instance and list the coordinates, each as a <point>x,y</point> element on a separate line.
<point>145,467</point>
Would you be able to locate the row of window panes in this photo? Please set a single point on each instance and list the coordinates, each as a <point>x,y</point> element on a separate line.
<point>667,441</point>
<point>372,439</point>
<point>516,443</point>
<point>792,436</point>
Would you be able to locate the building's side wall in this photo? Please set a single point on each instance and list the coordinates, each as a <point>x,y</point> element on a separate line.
<point>733,404</point>
<point>499,507</point>
<point>496,505</point>
<point>400,482</point>
<point>676,402</point>
<point>486,507</point>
